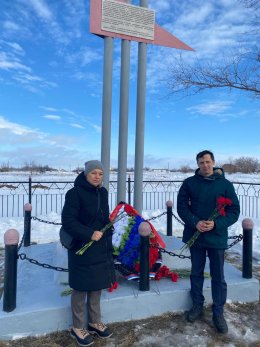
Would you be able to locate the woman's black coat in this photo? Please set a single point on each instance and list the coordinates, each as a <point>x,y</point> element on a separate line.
<point>86,210</point>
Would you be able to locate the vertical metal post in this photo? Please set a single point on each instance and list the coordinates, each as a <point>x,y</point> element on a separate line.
<point>140,121</point>
<point>11,240</point>
<point>129,190</point>
<point>27,224</point>
<point>247,225</point>
<point>144,230</point>
<point>106,108</point>
<point>30,191</point>
<point>123,119</point>
<point>169,205</point>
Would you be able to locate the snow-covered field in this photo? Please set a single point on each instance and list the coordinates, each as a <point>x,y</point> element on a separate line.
<point>44,233</point>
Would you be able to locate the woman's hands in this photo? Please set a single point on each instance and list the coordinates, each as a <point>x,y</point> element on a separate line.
<point>96,236</point>
<point>205,225</point>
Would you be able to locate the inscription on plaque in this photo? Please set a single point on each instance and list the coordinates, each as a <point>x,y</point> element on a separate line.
<point>127,19</point>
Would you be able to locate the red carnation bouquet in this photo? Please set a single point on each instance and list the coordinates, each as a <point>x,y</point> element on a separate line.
<point>219,210</point>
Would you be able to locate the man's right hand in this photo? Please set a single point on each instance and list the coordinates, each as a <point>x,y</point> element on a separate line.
<point>205,225</point>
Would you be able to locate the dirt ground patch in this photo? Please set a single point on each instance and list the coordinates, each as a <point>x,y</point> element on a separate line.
<point>168,330</point>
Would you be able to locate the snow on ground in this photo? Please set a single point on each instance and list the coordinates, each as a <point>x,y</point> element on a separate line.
<point>44,233</point>
<point>168,330</point>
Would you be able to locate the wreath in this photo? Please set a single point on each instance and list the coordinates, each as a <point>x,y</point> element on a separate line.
<point>126,243</point>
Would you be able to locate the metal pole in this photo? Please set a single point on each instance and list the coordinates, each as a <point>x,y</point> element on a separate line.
<point>247,225</point>
<point>27,224</point>
<point>11,240</point>
<point>169,205</point>
<point>30,190</point>
<point>123,120</point>
<point>140,121</point>
<point>129,190</point>
<point>106,108</point>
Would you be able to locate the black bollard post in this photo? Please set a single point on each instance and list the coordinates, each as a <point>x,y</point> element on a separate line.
<point>11,239</point>
<point>169,205</point>
<point>247,225</point>
<point>144,230</point>
<point>27,225</point>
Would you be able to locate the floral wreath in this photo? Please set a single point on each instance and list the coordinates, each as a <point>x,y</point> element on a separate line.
<point>126,242</point>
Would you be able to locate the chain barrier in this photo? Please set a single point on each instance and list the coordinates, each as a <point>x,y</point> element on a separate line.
<point>178,219</point>
<point>21,243</point>
<point>22,256</point>
<point>45,221</point>
<point>172,254</point>
<point>237,239</point>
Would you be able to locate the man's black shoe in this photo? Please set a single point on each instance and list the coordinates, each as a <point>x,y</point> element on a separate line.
<point>194,313</point>
<point>220,323</point>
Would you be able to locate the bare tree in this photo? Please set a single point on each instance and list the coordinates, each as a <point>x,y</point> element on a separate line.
<point>246,164</point>
<point>241,71</point>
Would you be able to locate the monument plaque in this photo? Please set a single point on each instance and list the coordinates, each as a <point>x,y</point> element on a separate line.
<point>123,18</point>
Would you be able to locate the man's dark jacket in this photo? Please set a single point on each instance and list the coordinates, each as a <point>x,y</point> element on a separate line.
<point>196,201</point>
<point>86,210</point>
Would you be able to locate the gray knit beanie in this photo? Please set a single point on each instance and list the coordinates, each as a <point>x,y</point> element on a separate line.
<point>92,165</point>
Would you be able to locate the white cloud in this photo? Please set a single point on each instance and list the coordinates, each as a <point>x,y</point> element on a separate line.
<point>41,9</point>
<point>75,125</point>
<point>10,25</point>
<point>16,47</point>
<point>50,109</point>
<point>209,108</point>
<point>14,128</point>
<point>52,117</point>
<point>11,63</point>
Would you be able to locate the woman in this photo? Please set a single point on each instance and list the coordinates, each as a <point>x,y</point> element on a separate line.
<point>84,214</point>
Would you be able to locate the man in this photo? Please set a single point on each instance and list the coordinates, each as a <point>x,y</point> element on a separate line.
<point>196,201</point>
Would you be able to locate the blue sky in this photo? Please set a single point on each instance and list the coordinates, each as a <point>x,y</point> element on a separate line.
<point>51,86</point>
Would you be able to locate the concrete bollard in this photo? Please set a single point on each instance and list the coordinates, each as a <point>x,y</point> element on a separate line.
<point>169,205</point>
<point>11,240</point>
<point>144,230</point>
<point>27,224</point>
<point>247,225</point>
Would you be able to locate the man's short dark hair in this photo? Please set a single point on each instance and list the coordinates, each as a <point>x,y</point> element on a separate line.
<point>201,154</point>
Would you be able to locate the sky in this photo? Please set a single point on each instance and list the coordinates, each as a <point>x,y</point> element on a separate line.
<point>51,73</point>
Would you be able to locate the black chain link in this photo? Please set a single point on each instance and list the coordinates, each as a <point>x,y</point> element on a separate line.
<point>44,221</point>
<point>21,243</point>
<point>153,218</point>
<point>23,256</point>
<point>181,256</point>
<point>237,238</point>
<point>178,219</point>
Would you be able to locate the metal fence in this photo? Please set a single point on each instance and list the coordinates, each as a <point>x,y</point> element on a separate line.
<point>47,197</point>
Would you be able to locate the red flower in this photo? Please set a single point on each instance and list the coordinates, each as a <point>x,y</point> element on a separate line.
<point>137,267</point>
<point>165,272</point>
<point>228,202</point>
<point>113,287</point>
<point>221,200</point>
<point>219,210</point>
<point>222,212</point>
<point>130,210</point>
<point>174,277</point>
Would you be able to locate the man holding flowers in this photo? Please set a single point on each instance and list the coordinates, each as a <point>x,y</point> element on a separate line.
<point>208,205</point>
